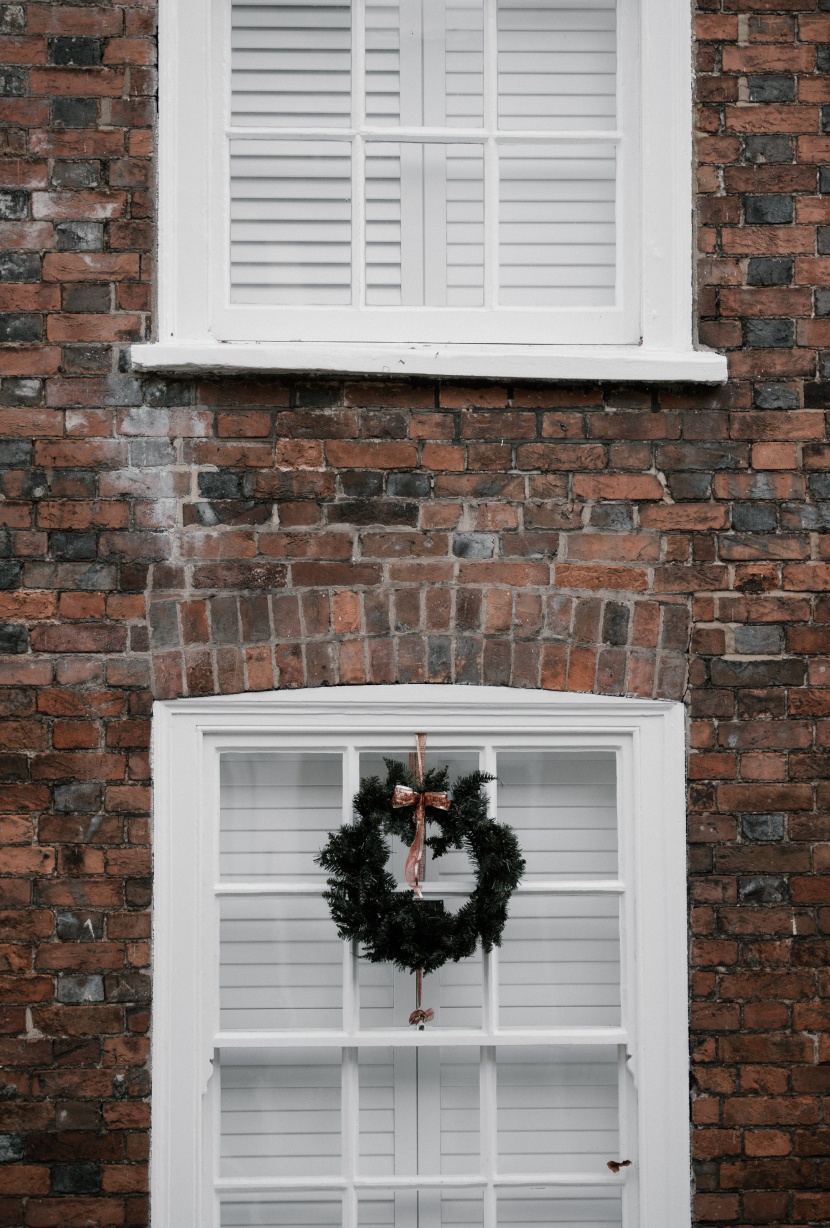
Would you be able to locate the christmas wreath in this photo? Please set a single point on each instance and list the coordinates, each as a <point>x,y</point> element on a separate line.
<point>400,927</point>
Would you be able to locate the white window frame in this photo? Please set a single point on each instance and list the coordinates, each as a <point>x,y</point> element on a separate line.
<point>647,738</point>
<point>650,336</point>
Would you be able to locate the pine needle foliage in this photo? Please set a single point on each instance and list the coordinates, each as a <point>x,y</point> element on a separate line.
<point>394,926</point>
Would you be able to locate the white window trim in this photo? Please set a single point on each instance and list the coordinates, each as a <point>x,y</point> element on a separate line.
<point>648,740</point>
<point>187,225</point>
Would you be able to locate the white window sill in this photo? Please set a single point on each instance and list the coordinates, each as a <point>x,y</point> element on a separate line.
<point>514,362</point>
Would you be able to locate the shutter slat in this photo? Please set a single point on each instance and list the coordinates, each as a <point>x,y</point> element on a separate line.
<point>301,236</point>
<point>556,65</point>
<point>305,1209</point>
<point>277,810</point>
<point>544,231</point>
<point>281,964</point>
<point>283,1118</point>
<point>276,48</point>
<point>576,1208</point>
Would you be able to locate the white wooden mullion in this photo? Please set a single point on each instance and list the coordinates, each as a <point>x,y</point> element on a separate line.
<point>456,886</point>
<point>350,1107</point>
<point>240,1185</point>
<point>490,960</point>
<point>351,978</point>
<point>350,1136</point>
<point>358,67</point>
<point>450,1037</point>
<point>491,155</point>
<point>410,132</point>
<point>489,1150</point>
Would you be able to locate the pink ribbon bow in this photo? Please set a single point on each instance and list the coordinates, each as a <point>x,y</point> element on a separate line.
<point>404,796</point>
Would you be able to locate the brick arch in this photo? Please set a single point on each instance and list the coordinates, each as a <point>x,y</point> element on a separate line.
<point>229,642</point>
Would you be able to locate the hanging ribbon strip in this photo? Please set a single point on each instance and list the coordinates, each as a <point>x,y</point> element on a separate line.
<point>416,858</point>
<point>404,796</point>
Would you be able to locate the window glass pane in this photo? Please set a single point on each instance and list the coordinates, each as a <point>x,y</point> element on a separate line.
<point>281,1118</point>
<point>586,1207</point>
<point>557,1109</point>
<point>291,222</point>
<point>559,963</point>
<point>557,64</point>
<point>298,1209</point>
<point>277,811</point>
<point>563,808</point>
<point>281,964</point>
<point>424,225</point>
<point>291,64</point>
<point>425,63</point>
<point>421,1209</point>
<point>419,1112</point>
<point>557,234</point>
<point>387,995</point>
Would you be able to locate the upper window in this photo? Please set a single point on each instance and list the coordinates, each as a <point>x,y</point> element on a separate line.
<point>472,187</point>
<point>551,1086</point>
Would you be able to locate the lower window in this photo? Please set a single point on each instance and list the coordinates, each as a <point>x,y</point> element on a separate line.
<point>549,1089</point>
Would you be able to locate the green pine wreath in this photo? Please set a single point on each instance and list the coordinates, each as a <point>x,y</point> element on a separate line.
<point>394,926</point>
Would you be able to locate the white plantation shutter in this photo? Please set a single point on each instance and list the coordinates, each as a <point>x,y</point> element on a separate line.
<point>437,1113</point>
<point>391,156</point>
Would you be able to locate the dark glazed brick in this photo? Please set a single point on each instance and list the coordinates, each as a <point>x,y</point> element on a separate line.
<point>773,149</point>
<point>615,623</point>
<point>10,574</point>
<point>12,19</point>
<point>79,236</point>
<point>770,271</point>
<point>14,205</point>
<point>15,453</point>
<point>775,396</point>
<point>13,638</point>
<point>769,334</point>
<point>75,176</point>
<point>19,266</point>
<point>74,112</point>
<point>362,483</point>
<point>75,52</point>
<point>755,517</point>
<point>87,297</point>
<point>763,889</point>
<point>225,484</point>
<point>473,545</point>
<point>20,328</point>
<point>409,485</point>
<point>773,210</point>
<point>824,179</point>
<point>12,1148</point>
<point>316,396</point>
<point>771,88</point>
<point>76,1179</point>
<point>12,82</point>
<point>764,828</point>
<point>68,545</point>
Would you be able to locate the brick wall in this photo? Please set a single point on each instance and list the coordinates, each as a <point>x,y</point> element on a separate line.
<point>168,537</point>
